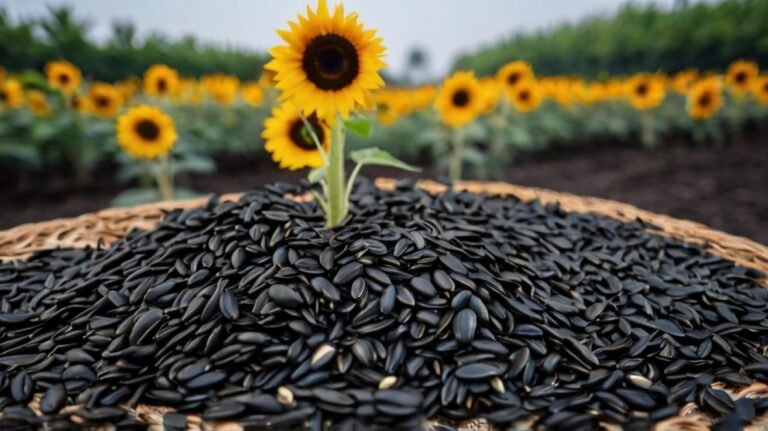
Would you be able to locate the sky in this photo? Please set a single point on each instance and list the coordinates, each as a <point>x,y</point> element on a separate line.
<point>443,28</point>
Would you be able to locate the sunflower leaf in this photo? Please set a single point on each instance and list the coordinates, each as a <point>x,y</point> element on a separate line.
<point>133,197</point>
<point>377,156</point>
<point>359,125</point>
<point>317,174</point>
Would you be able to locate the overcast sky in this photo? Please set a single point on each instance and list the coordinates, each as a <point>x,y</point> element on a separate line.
<point>444,28</point>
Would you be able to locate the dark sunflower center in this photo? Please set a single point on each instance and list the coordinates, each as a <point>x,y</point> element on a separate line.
<point>102,102</point>
<point>302,137</point>
<point>642,89</point>
<point>513,77</point>
<point>705,100</point>
<point>64,78</point>
<point>741,77</point>
<point>765,87</point>
<point>331,62</point>
<point>383,107</point>
<point>524,96</point>
<point>148,130</point>
<point>460,98</point>
<point>75,103</point>
<point>3,95</point>
<point>162,85</point>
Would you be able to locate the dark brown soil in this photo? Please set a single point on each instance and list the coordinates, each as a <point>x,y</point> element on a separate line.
<point>724,187</point>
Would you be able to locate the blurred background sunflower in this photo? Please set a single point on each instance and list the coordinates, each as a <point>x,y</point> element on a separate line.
<point>63,75</point>
<point>460,99</point>
<point>146,132</point>
<point>645,91</point>
<point>161,80</point>
<point>103,99</point>
<point>705,98</point>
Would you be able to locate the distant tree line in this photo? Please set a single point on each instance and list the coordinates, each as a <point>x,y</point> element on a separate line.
<point>639,38</point>
<point>30,43</point>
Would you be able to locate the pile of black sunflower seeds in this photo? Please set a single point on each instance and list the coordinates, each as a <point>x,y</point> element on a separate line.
<point>445,307</point>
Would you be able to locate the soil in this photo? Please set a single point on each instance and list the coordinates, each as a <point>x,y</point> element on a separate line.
<point>725,187</point>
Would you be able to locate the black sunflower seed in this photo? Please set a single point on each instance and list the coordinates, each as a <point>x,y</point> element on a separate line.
<point>447,306</point>
<point>285,296</point>
<point>464,326</point>
<point>53,399</point>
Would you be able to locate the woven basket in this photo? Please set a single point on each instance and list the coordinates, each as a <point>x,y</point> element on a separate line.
<point>106,226</point>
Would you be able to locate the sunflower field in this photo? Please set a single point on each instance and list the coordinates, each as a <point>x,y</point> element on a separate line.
<point>152,128</point>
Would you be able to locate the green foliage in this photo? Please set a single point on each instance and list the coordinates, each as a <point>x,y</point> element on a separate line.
<point>639,38</point>
<point>30,43</point>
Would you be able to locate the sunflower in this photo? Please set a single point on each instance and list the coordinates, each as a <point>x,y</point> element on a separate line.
<point>684,80</point>
<point>290,142</point>
<point>512,74</point>
<point>161,80</point>
<point>11,94</point>
<point>526,96</point>
<point>267,78</point>
<point>104,99</point>
<point>37,103</point>
<point>146,132</point>
<point>704,98</point>
<point>491,94</point>
<point>390,105</point>
<point>77,103</point>
<point>645,91</point>
<point>740,76</point>
<point>63,75</point>
<point>460,99</point>
<point>252,93</point>
<point>128,87</point>
<point>223,88</point>
<point>563,92</point>
<point>424,96</point>
<point>760,89</point>
<point>331,63</point>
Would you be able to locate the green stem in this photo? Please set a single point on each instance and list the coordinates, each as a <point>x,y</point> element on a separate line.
<point>457,155</point>
<point>648,129</point>
<point>164,180</point>
<point>337,205</point>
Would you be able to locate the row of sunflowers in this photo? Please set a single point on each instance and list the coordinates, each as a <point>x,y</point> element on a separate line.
<point>482,122</point>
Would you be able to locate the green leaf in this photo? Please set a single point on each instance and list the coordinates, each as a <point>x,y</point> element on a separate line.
<point>129,171</point>
<point>317,174</point>
<point>132,197</point>
<point>20,153</point>
<point>197,164</point>
<point>359,125</point>
<point>185,193</point>
<point>377,156</point>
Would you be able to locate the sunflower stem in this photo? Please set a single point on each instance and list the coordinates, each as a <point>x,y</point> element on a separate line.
<point>337,205</point>
<point>457,155</point>
<point>163,177</point>
<point>648,129</point>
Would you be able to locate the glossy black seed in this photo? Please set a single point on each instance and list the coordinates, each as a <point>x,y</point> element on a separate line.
<point>478,371</point>
<point>347,273</point>
<point>464,326</point>
<point>53,399</point>
<point>449,306</point>
<point>22,387</point>
<point>285,296</point>
<point>228,306</point>
<point>423,286</point>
